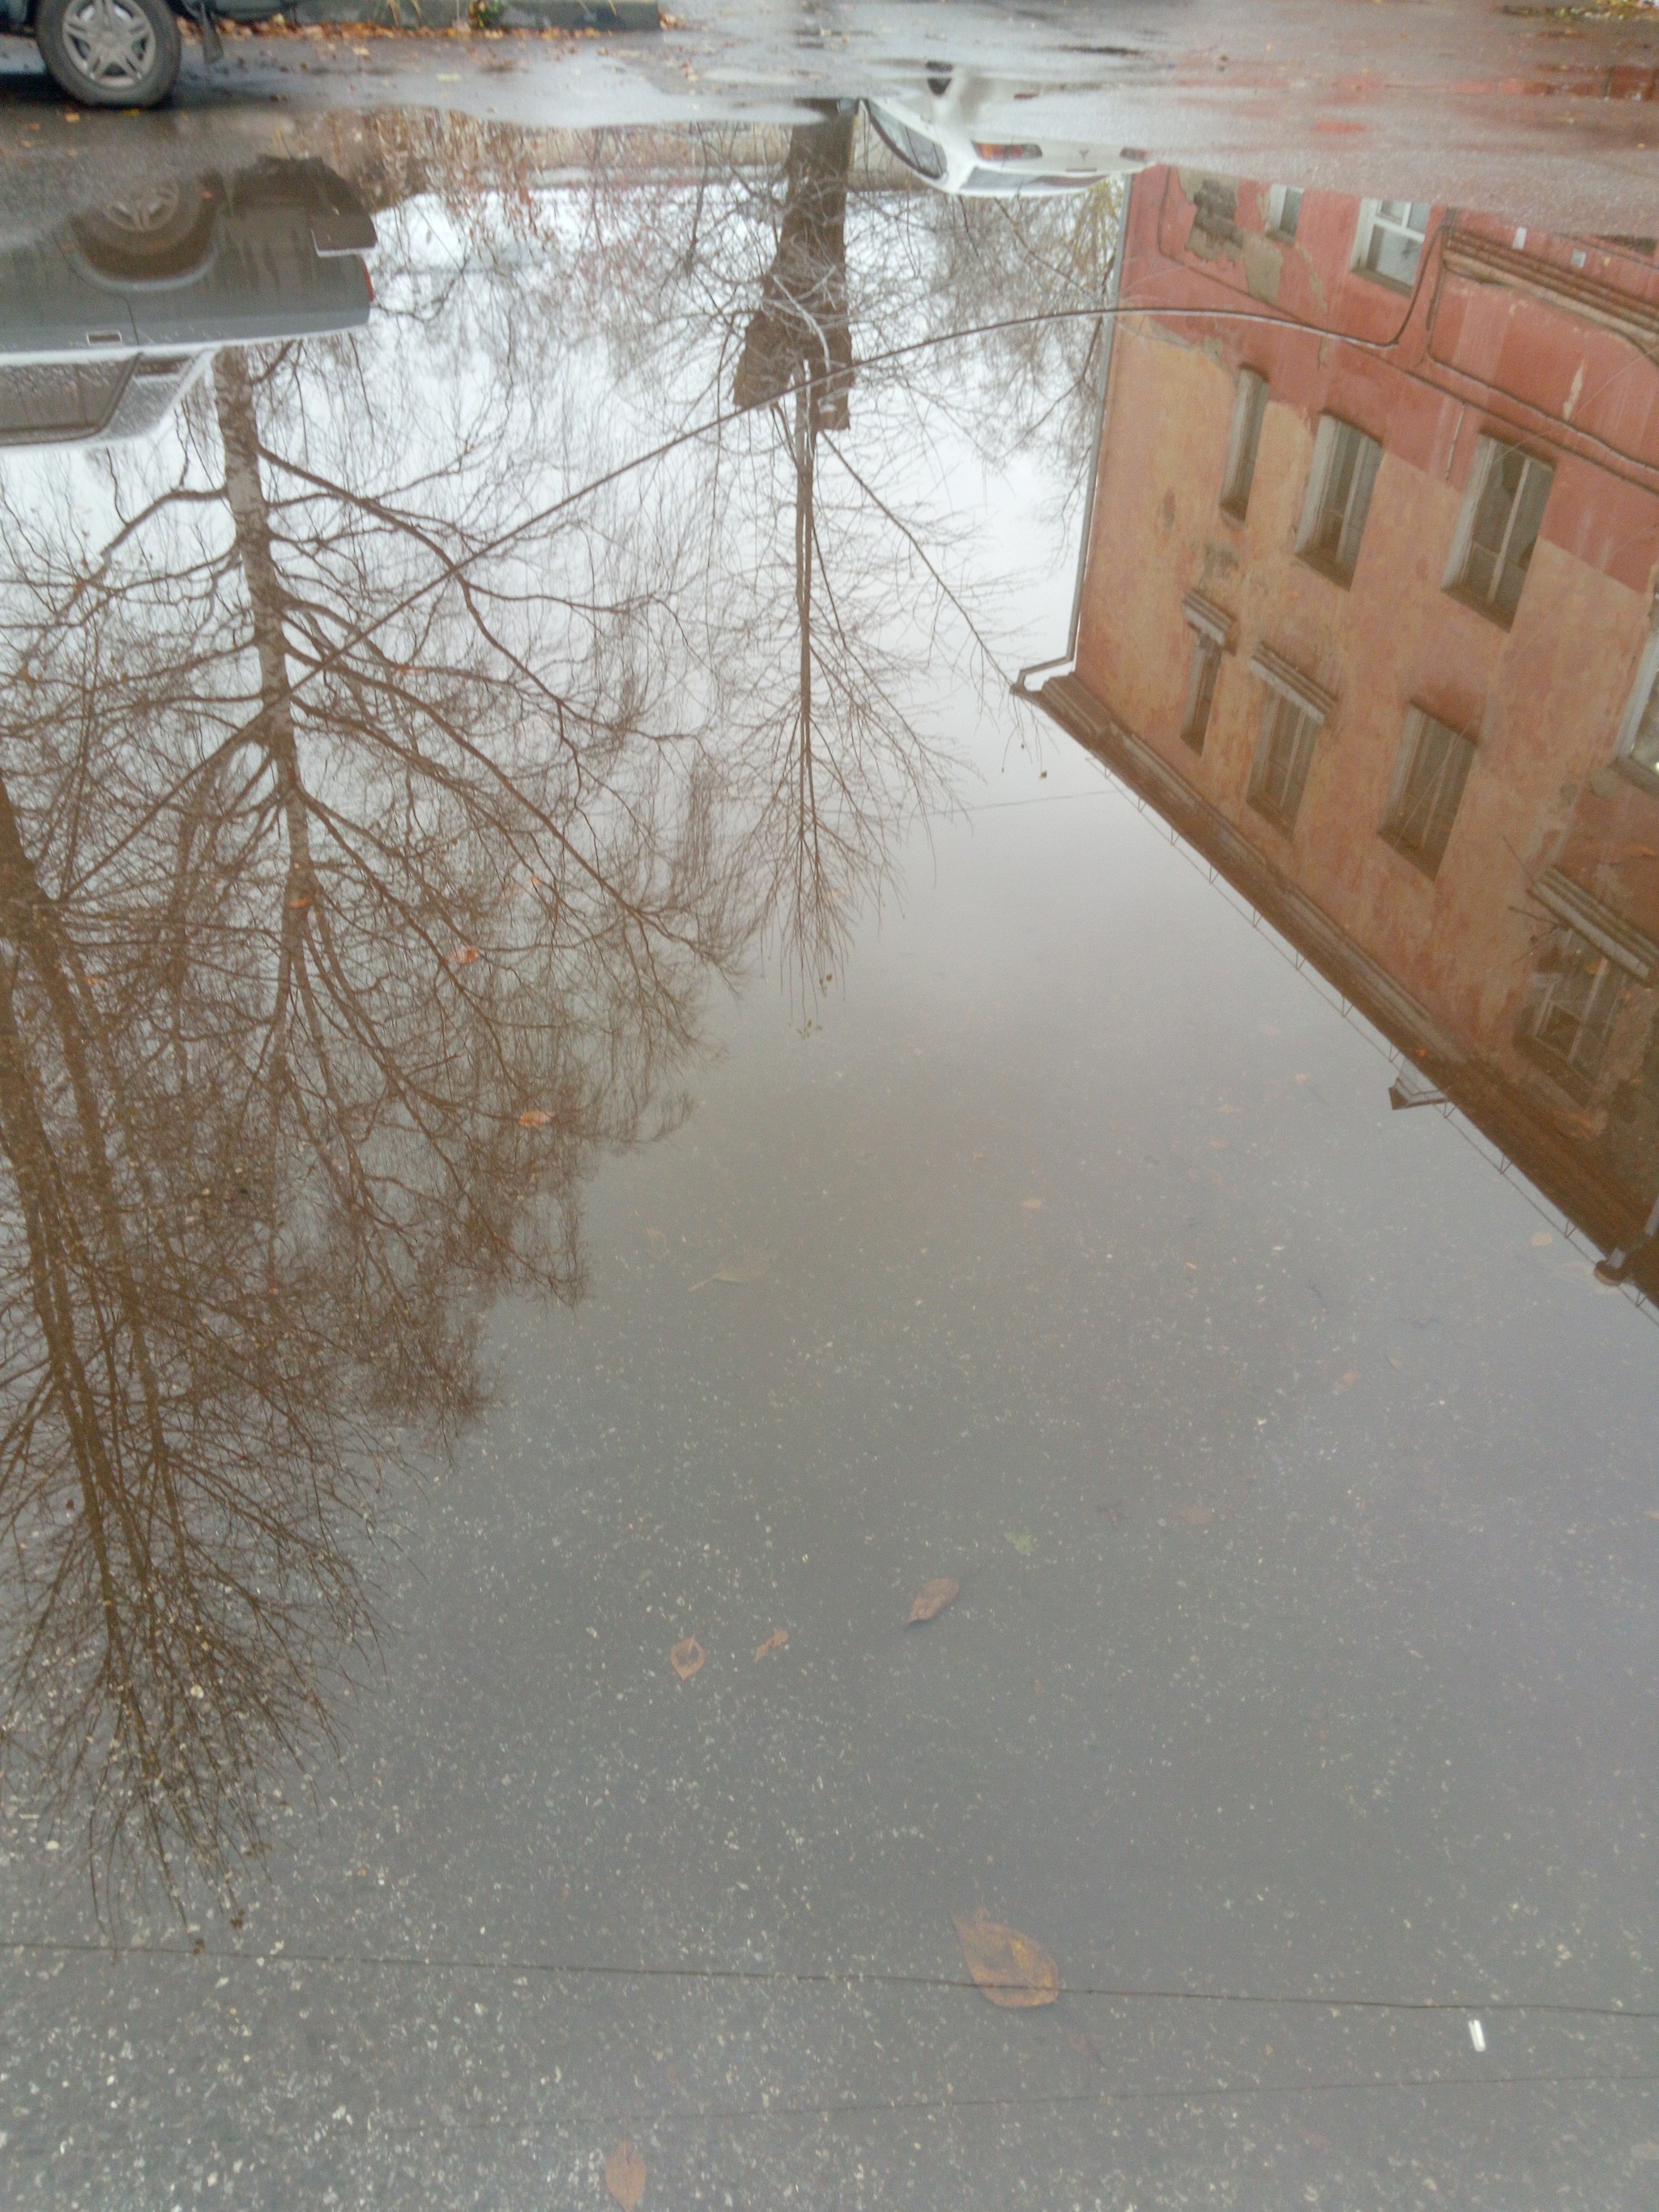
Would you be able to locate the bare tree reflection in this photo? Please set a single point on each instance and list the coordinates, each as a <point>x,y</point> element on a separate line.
<point>798,339</point>
<point>372,825</point>
<point>314,1004</point>
<point>833,755</point>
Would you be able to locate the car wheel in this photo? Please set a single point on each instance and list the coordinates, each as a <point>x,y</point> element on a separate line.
<point>110,53</point>
<point>158,232</point>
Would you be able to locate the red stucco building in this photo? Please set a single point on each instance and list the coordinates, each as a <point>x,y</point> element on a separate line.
<point>1367,611</point>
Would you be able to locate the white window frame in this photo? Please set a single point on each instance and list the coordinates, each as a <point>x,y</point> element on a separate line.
<point>1274,211</point>
<point>1486,452</point>
<point>1207,657</point>
<point>1244,438</point>
<point>1313,505</point>
<point>1609,984</point>
<point>1285,687</point>
<point>1411,741</point>
<point>1213,634</point>
<point>1371,218</point>
<point>1647,676</point>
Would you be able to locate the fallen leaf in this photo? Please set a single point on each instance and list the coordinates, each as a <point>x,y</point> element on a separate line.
<point>1021,1541</point>
<point>624,2175</point>
<point>1347,1381</point>
<point>747,1267</point>
<point>686,1657</point>
<point>1540,1238</point>
<point>464,956</point>
<point>1196,1517</point>
<point>774,1642</point>
<point>1031,1205</point>
<point>932,1599</point>
<point>1394,1360</point>
<point>1008,1967</point>
<point>534,1117</point>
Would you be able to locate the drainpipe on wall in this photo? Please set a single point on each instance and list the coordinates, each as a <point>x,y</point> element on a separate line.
<point>1063,663</point>
<point>1616,1268</point>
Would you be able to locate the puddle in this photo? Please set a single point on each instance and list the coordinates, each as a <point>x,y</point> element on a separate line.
<point>731,856</point>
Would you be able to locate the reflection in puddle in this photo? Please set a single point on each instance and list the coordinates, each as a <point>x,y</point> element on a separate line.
<point>961,1425</point>
<point>1366,613</point>
<point>397,759</point>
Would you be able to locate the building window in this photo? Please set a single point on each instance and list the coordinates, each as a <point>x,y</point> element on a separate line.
<point>1200,689</point>
<point>1284,211</point>
<point>1389,244</point>
<point>1249,408</point>
<point>1428,782</point>
<point>1639,738</point>
<point>1212,629</point>
<point>1574,1000</point>
<point>1338,498</point>
<point>1505,505</point>
<point>1283,758</point>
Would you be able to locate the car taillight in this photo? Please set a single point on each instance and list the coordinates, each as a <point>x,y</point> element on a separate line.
<point>1007,152</point>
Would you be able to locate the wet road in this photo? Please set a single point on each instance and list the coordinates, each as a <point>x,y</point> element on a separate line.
<point>1540,114</point>
<point>595,1088</point>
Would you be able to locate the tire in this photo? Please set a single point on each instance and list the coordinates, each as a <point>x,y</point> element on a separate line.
<point>156,233</point>
<point>110,53</point>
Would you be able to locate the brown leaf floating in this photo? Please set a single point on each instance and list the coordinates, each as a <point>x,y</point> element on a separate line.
<point>932,1599</point>
<point>1009,1968</point>
<point>686,1657</point>
<point>624,2175</point>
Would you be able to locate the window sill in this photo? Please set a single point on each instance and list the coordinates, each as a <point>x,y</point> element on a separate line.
<point>1342,577</point>
<point>1578,1086</point>
<point>1286,825</point>
<point>1485,608</point>
<point>1419,862</point>
<point>1633,771</point>
<point>1388,283</point>
<point>1232,510</point>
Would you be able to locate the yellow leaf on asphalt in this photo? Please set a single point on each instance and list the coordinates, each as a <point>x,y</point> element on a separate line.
<point>774,1642</point>
<point>932,1598</point>
<point>1009,1968</point>
<point>624,2175</point>
<point>747,1267</point>
<point>686,1657</point>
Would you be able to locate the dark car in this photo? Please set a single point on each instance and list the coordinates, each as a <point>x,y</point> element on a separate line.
<point>105,319</point>
<point>121,53</point>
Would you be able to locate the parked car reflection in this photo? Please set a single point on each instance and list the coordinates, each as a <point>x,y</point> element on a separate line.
<point>106,318</point>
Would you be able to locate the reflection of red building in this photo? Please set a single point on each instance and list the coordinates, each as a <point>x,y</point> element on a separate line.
<point>1367,610</point>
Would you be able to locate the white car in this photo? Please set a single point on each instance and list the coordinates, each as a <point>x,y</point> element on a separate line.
<point>946,133</point>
